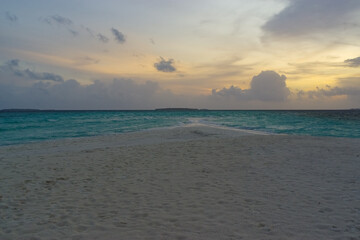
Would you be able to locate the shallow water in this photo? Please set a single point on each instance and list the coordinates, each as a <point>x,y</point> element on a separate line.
<point>22,127</point>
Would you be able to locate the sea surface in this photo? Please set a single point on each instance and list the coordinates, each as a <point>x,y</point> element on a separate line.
<point>23,127</point>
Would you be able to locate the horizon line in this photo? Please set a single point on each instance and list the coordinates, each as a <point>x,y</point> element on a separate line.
<point>164,109</point>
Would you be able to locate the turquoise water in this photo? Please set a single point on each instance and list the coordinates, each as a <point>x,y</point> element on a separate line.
<point>22,127</point>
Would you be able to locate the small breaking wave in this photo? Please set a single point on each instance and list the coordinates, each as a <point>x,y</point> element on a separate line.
<point>195,122</point>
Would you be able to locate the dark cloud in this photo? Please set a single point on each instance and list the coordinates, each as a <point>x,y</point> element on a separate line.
<point>165,65</point>
<point>11,17</point>
<point>70,94</point>
<point>12,68</point>
<point>57,19</point>
<point>102,38</point>
<point>267,86</point>
<point>354,62</point>
<point>21,88</point>
<point>311,16</point>
<point>119,36</point>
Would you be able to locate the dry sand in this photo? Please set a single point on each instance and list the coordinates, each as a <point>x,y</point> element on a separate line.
<point>184,183</point>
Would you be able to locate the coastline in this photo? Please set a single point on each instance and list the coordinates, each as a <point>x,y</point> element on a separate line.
<point>194,182</point>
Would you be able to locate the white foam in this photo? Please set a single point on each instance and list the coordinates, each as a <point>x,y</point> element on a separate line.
<point>200,122</point>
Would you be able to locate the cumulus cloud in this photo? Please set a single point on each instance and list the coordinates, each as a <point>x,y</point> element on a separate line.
<point>119,36</point>
<point>21,87</point>
<point>11,17</point>
<point>70,94</point>
<point>165,65</point>
<point>354,62</point>
<point>12,68</point>
<point>267,86</point>
<point>311,16</point>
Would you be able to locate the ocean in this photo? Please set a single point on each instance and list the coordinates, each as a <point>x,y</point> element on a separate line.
<point>18,127</point>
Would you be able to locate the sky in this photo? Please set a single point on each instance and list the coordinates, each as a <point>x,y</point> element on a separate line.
<point>145,54</point>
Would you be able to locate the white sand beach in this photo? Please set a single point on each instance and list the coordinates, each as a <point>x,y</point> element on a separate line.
<point>192,182</point>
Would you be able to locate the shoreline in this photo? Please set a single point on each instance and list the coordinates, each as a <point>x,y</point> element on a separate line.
<point>192,182</point>
<point>25,128</point>
<point>182,132</point>
<point>223,131</point>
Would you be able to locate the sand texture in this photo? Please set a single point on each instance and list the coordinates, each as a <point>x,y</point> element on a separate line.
<point>183,183</point>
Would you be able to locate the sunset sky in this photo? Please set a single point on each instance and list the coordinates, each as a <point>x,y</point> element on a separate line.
<point>144,54</point>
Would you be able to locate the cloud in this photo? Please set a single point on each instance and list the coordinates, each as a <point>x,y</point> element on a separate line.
<point>40,75</point>
<point>12,69</point>
<point>21,87</point>
<point>70,94</point>
<point>267,86</point>
<point>63,22</point>
<point>311,16</point>
<point>12,63</point>
<point>330,92</point>
<point>57,19</point>
<point>11,17</point>
<point>70,26</point>
<point>268,91</point>
<point>119,36</point>
<point>102,38</point>
<point>165,66</point>
<point>354,62</point>
<point>231,91</point>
